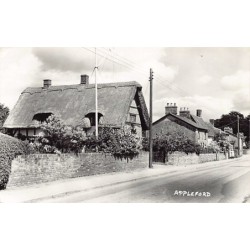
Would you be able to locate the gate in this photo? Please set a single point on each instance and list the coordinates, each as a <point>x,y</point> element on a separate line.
<point>159,156</point>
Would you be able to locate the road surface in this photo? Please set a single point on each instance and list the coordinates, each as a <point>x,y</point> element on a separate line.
<point>228,182</point>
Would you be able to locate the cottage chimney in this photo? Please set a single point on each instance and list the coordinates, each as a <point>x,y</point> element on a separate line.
<point>211,121</point>
<point>85,79</point>
<point>184,112</point>
<point>46,83</point>
<point>198,112</point>
<point>171,108</point>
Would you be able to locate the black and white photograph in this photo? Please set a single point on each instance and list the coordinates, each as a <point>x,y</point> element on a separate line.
<point>125,125</point>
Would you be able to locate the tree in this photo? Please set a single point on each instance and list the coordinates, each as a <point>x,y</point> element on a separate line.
<point>4,112</point>
<point>230,120</point>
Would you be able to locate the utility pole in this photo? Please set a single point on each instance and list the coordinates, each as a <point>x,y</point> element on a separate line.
<point>96,98</point>
<point>238,129</point>
<point>150,119</point>
<point>249,133</point>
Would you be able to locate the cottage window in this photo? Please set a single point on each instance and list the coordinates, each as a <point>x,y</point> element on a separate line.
<point>132,118</point>
<point>91,117</point>
<point>41,117</point>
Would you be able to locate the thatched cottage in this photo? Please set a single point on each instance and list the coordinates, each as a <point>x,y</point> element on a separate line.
<point>119,104</point>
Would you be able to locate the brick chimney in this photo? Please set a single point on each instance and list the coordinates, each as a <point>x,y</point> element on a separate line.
<point>198,112</point>
<point>46,83</point>
<point>171,108</point>
<point>211,121</point>
<point>184,112</point>
<point>85,79</point>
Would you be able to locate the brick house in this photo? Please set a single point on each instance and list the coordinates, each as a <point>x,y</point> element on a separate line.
<point>119,104</point>
<point>192,126</point>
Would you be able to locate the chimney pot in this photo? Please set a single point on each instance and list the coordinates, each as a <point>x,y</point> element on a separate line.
<point>46,83</point>
<point>171,109</point>
<point>85,79</point>
<point>198,112</point>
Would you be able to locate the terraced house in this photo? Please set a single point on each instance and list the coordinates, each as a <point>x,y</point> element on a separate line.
<point>192,126</point>
<point>119,104</point>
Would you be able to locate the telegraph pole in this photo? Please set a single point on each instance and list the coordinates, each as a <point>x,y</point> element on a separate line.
<point>96,98</point>
<point>150,119</point>
<point>249,133</point>
<point>238,129</point>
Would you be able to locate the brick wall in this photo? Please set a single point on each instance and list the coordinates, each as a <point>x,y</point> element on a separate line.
<point>38,168</point>
<point>180,158</point>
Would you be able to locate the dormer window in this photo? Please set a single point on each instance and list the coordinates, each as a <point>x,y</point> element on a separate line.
<point>41,117</point>
<point>91,117</point>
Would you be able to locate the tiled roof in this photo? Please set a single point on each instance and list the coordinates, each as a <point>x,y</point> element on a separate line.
<point>184,119</point>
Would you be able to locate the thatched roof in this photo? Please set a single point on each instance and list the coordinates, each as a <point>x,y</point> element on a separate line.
<point>72,102</point>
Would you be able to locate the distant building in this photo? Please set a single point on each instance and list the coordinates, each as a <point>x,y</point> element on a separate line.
<point>119,104</point>
<point>192,126</point>
<point>233,139</point>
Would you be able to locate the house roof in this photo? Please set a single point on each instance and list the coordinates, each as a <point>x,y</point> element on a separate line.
<point>184,119</point>
<point>72,102</point>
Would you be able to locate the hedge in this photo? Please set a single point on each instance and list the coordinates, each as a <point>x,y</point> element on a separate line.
<point>9,149</point>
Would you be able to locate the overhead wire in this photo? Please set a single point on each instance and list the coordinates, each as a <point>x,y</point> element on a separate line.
<point>122,61</point>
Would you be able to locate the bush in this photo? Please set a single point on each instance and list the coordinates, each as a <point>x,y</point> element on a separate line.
<point>9,149</point>
<point>121,143</point>
<point>169,143</point>
<point>60,137</point>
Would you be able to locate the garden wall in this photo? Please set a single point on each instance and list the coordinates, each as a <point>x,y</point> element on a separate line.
<point>38,168</point>
<point>181,158</point>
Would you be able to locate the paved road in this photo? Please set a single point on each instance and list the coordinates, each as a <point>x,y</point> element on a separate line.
<point>227,183</point>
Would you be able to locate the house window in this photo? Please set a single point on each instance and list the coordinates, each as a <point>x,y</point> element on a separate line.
<point>91,117</point>
<point>132,118</point>
<point>41,117</point>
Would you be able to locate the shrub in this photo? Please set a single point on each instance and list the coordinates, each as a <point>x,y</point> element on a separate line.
<point>9,149</point>
<point>172,142</point>
<point>121,143</point>
<point>59,136</point>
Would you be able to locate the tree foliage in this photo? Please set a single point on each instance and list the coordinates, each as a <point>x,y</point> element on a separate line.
<point>4,112</point>
<point>9,149</point>
<point>171,142</point>
<point>60,138</point>
<point>230,120</point>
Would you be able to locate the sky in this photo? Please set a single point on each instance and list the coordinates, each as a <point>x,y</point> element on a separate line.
<point>215,80</point>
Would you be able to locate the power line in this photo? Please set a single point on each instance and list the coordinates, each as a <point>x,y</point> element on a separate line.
<point>122,61</point>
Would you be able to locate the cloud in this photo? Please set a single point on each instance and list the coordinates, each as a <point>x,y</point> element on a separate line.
<point>209,105</point>
<point>234,82</point>
<point>64,59</point>
<point>19,69</point>
<point>241,101</point>
<point>201,70</point>
<point>205,79</point>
